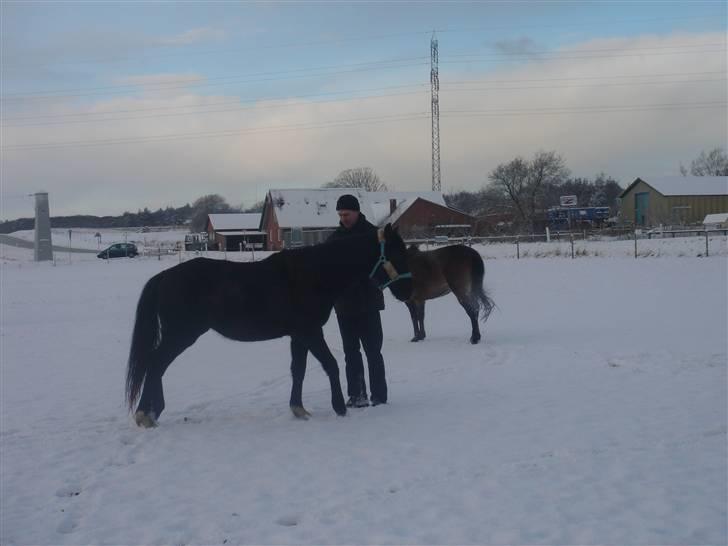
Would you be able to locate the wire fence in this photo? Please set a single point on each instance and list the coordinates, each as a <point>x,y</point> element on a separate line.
<point>699,242</point>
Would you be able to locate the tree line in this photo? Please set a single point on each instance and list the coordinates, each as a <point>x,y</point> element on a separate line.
<point>522,189</point>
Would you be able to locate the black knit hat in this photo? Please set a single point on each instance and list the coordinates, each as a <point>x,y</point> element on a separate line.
<point>347,202</point>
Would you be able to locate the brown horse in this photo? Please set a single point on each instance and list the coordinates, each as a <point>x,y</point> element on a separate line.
<point>456,268</point>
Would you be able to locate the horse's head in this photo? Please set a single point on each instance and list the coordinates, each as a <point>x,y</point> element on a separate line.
<point>392,270</point>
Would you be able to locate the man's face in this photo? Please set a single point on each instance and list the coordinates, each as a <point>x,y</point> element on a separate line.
<point>348,217</point>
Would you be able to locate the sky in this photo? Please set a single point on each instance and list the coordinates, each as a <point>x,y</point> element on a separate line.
<point>112,107</point>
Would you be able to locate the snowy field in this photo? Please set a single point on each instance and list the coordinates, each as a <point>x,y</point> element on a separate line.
<point>87,237</point>
<point>593,413</point>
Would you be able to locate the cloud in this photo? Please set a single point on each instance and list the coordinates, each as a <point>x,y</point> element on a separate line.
<point>193,36</point>
<point>614,109</point>
<point>161,80</point>
<point>520,46</point>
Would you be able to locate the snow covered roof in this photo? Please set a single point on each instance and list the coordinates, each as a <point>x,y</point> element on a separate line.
<point>719,218</point>
<point>235,221</point>
<point>399,211</point>
<point>686,185</point>
<point>317,207</point>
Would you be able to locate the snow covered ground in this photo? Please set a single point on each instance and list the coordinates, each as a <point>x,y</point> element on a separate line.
<point>86,237</point>
<point>593,413</point>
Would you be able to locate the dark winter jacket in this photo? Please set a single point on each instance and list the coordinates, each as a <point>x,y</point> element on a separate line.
<point>364,296</point>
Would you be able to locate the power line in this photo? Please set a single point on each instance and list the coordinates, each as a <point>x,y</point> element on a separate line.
<point>586,110</point>
<point>576,86</point>
<point>231,50</point>
<point>164,86</point>
<point>368,120</point>
<point>305,72</point>
<point>216,103</point>
<point>349,99</point>
<point>387,88</point>
<point>216,111</point>
<point>686,47</point>
<point>601,22</point>
<point>212,134</point>
<point>560,57</point>
<point>567,78</point>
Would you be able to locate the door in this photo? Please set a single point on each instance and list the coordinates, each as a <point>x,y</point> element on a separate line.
<point>641,202</point>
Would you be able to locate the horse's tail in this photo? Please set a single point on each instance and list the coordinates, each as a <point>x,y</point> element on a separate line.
<point>485,303</point>
<point>144,340</point>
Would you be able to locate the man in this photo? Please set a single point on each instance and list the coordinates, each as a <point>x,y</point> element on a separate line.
<point>357,312</point>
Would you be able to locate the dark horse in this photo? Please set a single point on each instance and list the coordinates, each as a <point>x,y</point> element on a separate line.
<point>456,268</point>
<point>290,293</point>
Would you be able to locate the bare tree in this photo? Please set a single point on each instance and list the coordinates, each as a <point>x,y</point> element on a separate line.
<point>525,182</point>
<point>511,179</point>
<point>362,178</point>
<point>207,204</point>
<point>714,163</point>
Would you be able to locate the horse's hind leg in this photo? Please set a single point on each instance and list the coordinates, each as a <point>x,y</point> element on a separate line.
<point>299,352</point>
<point>319,349</point>
<point>472,309</point>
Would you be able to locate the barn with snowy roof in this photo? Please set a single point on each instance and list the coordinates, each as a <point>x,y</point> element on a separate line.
<point>232,231</point>
<point>301,217</point>
<point>673,200</point>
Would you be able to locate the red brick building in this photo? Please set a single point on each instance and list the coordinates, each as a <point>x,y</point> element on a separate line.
<point>422,218</point>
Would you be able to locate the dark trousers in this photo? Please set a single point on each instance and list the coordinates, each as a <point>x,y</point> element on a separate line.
<point>364,329</point>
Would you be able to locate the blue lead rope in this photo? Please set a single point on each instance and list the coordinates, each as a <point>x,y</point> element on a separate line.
<point>380,262</point>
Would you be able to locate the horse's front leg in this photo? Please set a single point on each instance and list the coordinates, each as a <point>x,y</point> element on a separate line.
<point>421,319</point>
<point>412,307</point>
<point>299,351</point>
<point>317,345</point>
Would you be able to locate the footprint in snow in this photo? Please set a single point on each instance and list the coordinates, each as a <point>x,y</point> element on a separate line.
<point>290,520</point>
<point>69,491</point>
<point>68,524</point>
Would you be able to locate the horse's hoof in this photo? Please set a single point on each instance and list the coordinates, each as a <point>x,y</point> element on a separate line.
<point>300,412</point>
<point>144,420</point>
<point>474,341</point>
<point>340,410</point>
<point>415,339</point>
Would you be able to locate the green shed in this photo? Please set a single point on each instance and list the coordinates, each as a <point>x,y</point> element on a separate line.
<point>673,200</point>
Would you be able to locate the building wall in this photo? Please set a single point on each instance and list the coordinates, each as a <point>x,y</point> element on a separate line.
<point>422,217</point>
<point>270,227</point>
<point>671,210</point>
<point>697,208</point>
<point>657,205</point>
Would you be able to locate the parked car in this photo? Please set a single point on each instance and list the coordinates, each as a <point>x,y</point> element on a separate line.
<point>119,250</point>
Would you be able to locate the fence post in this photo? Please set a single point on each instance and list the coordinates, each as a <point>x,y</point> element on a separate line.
<point>159,253</point>
<point>518,249</point>
<point>635,244</point>
<point>571,236</point>
<point>707,250</point>
<point>180,254</point>
<point>548,235</point>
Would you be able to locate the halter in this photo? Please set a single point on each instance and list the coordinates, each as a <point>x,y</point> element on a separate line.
<point>385,264</point>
